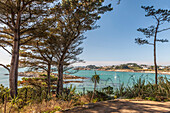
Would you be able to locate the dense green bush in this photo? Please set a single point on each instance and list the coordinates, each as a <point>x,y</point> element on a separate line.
<point>4,94</point>
<point>140,89</point>
<point>108,90</point>
<point>32,94</point>
<point>68,94</point>
<point>98,96</point>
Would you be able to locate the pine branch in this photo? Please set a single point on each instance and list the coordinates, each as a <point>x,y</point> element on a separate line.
<point>5,67</point>
<point>7,33</point>
<point>6,42</point>
<point>6,23</point>
<point>23,43</point>
<point>5,4</point>
<point>24,31</point>
<point>162,40</point>
<point>164,29</point>
<point>5,49</point>
<point>142,41</point>
<point>41,53</point>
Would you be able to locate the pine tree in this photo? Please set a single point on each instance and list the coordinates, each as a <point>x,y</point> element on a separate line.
<point>39,54</point>
<point>161,16</point>
<point>73,19</point>
<point>18,18</point>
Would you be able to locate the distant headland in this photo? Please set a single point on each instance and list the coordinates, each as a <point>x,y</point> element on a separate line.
<point>128,67</point>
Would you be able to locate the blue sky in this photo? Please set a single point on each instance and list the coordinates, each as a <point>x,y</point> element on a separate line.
<point>113,42</point>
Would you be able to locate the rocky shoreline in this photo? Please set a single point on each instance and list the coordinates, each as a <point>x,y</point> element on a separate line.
<point>36,74</point>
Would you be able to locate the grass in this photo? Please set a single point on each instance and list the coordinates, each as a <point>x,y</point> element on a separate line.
<point>140,89</point>
<point>50,106</point>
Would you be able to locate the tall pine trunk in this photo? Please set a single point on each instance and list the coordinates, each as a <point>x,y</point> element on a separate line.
<point>156,68</point>
<point>13,75</point>
<point>60,79</point>
<point>49,78</point>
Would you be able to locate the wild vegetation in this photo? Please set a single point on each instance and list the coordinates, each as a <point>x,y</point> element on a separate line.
<point>34,93</point>
<point>142,89</point>
<point>43,34</point>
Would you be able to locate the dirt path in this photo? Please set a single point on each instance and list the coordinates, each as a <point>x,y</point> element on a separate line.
<point>125,106</point>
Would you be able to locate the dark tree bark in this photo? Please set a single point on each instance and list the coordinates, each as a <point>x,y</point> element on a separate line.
<point>49,78</point>
<point>156,71</point>
<point>60,71</point>
<point>60,79</point>
<point>155,63</point>
<point>13,75</point>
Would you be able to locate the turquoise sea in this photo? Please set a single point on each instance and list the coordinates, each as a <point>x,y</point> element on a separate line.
<point>107,78</point>
<point>114,79</point>
<point>4,79</point>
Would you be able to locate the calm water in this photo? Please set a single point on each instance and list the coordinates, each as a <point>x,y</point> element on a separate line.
<point>4,79</point>
<point>107,78</point>
<point>114,79</point>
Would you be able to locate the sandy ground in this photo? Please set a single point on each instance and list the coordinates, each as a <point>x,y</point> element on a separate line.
<point>125,106</point>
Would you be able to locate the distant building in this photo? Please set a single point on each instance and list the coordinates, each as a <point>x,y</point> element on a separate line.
<point>161,67</point>
<point>144,67</point>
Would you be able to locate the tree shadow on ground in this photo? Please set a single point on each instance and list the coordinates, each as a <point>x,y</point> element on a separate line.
<point>122,106</point>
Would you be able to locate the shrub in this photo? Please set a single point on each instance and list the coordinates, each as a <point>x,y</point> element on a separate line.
<point>140,89</point>
<point>68,94</point>
<point>108,90</point>
<point>100,96</point>
<point>4,94</point>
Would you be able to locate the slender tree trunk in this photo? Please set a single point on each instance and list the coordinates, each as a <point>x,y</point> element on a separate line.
<point>13,76</point>
<point>156,70</point>
<point>49,78</point>
<point>155,63</point>
<point>60,79</point>
<point>93,91</point>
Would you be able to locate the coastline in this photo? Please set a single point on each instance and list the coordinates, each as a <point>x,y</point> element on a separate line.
<point>128,70</point>
<point>132,71</point>
<point>66,76</point>
<point>37,74</point>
